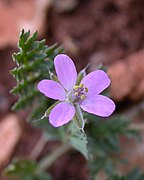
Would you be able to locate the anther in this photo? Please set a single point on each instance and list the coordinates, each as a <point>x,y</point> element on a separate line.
<point>86,89</point>
<point>76,93</point>
<point>76,87</point>
<point>82,97</point>
<point>81,85</point>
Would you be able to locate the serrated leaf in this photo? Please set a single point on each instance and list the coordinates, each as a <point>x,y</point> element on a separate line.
<point>32,61</point>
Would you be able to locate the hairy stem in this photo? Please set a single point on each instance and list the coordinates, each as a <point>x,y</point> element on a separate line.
<point>39,147</point>
<point>47,161</point>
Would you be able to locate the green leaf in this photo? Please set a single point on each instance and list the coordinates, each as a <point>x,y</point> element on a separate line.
<point>24,169</point>
<point>78,139</point>
<point>104,142</point>
<point>31,61</point>
<point>134,174</point>
<point>78,117</point>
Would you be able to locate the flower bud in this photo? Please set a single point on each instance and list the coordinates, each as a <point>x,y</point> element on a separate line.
<point>81,75</point>
<point>46,114</point>
<point>78,118</point>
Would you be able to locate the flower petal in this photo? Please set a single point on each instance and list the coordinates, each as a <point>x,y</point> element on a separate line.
<point>96,82</point>
<point>61,114</point>
<point>66,71</point>
<point>52,89</point>
<point>98,105</point>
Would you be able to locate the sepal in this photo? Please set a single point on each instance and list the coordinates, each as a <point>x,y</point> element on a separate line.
<point>78,118</point>
<point>81,75</point>
<point>47,113</point>
<point>53,76</point>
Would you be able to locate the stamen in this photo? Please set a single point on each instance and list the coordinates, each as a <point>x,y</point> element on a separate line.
<point>79,92</point>
<point>76,93</point>
<point>86,89</point>
<point>76,87</point>
<point>81,85</point>
<point>82,97</point>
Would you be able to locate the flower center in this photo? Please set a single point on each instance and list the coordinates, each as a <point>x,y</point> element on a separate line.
<point>78,94</point>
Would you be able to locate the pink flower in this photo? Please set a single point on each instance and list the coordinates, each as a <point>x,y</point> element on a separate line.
<point>86,94</point>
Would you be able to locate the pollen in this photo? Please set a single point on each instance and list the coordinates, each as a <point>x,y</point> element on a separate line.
<point>82,97</point>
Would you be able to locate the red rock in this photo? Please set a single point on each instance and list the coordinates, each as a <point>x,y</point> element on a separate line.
<point>10,133</point>
<point>127,77</point>
<point>133,152</point>
<point>63,6</point>
<point>15,15</point>
<point>122,3</point>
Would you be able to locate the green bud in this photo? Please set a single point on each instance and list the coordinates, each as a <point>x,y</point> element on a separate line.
<point>78,118</point>
<point>81,75</point>
<point>47,113</point>
<point>53,76</point>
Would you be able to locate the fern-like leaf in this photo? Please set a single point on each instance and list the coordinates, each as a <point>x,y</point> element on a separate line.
<point>33,60</point>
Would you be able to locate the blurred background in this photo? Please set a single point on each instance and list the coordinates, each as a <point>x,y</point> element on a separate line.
<point>108,32</point>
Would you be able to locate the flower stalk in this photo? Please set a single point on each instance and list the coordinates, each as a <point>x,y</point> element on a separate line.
<point>48,161</point>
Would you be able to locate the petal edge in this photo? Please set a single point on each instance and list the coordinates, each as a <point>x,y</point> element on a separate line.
<point>66,71</point>
<point>99,105</point>
<point>61,114</point>
<point>96,82</point>
<point>52,89</point>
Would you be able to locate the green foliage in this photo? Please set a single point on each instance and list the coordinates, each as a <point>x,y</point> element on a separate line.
<point>104,142</point>
<point>135,174</point>
<point>105,133</point>
<point>66,134</point>
<point>33,60</point>
<point>78,139</point>
<point>24,169</point>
